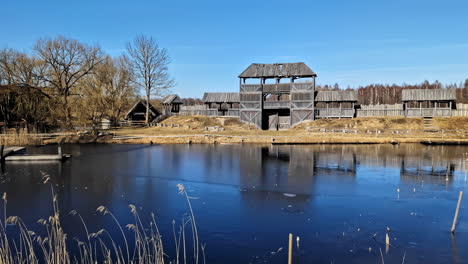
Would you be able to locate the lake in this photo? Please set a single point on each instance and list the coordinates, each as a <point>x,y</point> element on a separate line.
<point>339,199</point>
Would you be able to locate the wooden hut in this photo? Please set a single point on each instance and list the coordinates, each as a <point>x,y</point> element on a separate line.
<point>335,104</point>
<point>222,104</point>
<point>171,105</point>
<point>137,114</point>
<point>276,105</point>
<point>428,102</point>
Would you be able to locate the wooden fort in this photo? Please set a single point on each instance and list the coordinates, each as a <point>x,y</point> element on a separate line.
<point>428,102</point>
<point>268,102</point>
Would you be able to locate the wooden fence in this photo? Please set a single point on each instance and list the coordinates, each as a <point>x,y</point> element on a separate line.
<point>462,110</point>
<point>381,110</point>
<point>205,111</point>
<point>460,132</point>
<point>334,113</point>
<point>397,110</point>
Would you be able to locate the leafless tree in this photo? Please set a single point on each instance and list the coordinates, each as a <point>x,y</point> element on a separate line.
<point>22,95</point>
<point>149,63</point>
<point>107,92</point>
<point>65,62</point>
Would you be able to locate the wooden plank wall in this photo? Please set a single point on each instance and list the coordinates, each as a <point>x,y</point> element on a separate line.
<point>302,102</point>
<point>462,110</point>
<point>381,110</point>
<point>251,104</point>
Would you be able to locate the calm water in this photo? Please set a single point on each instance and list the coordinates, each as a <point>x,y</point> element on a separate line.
<point>335,197</point>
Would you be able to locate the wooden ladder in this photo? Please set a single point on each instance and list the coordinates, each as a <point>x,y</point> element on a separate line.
<point>428,126</point>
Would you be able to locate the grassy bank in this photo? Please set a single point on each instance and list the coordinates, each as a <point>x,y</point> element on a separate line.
<point>182,129</point>
<point>212,130</point>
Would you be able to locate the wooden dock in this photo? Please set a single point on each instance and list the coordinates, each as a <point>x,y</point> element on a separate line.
<point>12,151</point>
<point>10,154</point>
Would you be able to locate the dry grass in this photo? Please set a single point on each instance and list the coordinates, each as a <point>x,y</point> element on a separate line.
<point>99,247</point>
<point>201,122</point>
<point>366,123</point>
<point>19,139</point>
<point>233,131</point>
<point>453,123</point>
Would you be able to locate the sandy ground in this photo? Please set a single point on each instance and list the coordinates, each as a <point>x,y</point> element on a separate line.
<point>207,130</point>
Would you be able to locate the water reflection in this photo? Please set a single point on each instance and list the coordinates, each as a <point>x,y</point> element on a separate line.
<point>250,196</point>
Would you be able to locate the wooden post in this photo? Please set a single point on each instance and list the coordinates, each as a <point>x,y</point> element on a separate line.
<point>420,108</point>
<point>290,248</point>
<point>2,147</point>
<point>460,196</point>
<point>327,111</point>
<point>450,106</point>
<point>340,111</point>
<point>59,150</point>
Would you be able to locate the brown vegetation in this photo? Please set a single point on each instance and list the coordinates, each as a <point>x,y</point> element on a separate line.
<point>366,123</point>
<point>53,245</point>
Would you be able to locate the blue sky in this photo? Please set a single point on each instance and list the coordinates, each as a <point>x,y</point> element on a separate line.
<point>210,42</point>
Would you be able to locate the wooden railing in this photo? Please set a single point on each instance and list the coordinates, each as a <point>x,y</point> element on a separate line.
<point>427,112</point>
<point>334,112</point>
<point>276,104</point>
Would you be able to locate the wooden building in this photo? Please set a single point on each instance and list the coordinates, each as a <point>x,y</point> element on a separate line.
<point>276,105</point>
<point>222,104</point>
<point>171,105</point>
<point>428,102</point>
<point>335,104</point>
<point>137,114</point>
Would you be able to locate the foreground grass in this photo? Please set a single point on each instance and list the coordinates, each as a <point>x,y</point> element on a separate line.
<point>27,246</point>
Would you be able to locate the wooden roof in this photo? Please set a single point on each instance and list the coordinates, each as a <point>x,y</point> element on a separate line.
<point>336,96</point>
<point>221,98</point>
<point>171,99</point>
<point>283,70</point>
<point>428,95</point>
<point>153,111</point>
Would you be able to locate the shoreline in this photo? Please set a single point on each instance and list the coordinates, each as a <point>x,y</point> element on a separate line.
<point>309,139</point>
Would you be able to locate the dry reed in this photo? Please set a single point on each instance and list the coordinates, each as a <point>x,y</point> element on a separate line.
<point>100,246</point>
<point>20,139</point>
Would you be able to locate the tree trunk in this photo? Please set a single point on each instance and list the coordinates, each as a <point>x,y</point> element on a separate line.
<point>147,109</point>
<point>68,118</point>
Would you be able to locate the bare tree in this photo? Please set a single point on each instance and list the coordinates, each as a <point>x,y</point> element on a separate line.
<point>107,92</point>
<point>65,62</point>
<point>22,97</point>
<point>149,63</point>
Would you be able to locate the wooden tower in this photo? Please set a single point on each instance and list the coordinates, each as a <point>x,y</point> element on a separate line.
<point>279,104</point>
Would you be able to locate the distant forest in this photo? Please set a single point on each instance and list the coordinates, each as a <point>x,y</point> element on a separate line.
<point>391,94</point>
<point>381,93</point>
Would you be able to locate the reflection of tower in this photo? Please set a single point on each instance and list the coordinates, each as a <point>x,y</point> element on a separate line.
<point>284,169</point>
<point>336,160</point>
